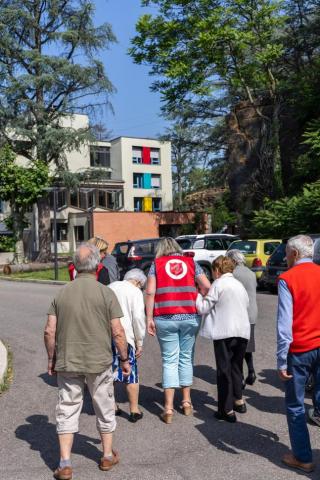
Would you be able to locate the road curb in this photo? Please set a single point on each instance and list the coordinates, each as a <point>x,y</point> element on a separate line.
<point>31,280</point>
<point>3,362</point>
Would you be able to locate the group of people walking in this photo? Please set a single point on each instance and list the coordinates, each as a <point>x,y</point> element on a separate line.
<point>94,336</point>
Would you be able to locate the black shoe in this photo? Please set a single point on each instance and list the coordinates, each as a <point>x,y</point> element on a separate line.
<point>134,417</point>
<point>118,412</point>
<point>240,408</point>
<point>243,384</point>
<point>251,378</point>
<point>231,417</point>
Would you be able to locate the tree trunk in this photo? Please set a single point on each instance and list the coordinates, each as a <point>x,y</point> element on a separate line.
<point>44,230</point>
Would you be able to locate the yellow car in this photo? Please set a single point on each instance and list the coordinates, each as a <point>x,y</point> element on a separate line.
<point>256,252</point>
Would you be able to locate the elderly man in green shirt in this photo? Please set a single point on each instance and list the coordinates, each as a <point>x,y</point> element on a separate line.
<point>82,320</point>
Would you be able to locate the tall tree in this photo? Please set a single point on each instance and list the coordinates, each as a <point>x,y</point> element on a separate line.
<point>195,47</point>
<point>49,70</point>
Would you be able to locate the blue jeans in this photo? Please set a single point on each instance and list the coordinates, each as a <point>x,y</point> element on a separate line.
<point>300,365</point>
<point>177,339</point>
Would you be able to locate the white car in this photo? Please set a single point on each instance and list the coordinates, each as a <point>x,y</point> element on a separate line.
<point>205,248</point>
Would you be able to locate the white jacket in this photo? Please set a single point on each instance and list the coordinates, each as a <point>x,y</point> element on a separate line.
<point>224,310</point>
<point>131,301</point>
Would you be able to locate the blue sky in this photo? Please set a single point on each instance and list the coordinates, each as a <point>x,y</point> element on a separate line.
<point>136,108</point>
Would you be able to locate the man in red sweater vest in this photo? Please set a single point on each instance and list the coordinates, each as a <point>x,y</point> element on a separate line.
<point>298,350</point>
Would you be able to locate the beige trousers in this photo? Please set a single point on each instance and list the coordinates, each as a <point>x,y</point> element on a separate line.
<point>70,392</point>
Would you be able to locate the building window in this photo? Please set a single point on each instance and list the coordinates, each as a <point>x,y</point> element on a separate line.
<point>156,204</point>
<point>138,180</point>
<point>74,199</point>
<point>136,155</point>
<point>79,233</point>
<point>61,199</point>
<point>155,156</point>
<point>137,204</point>
<point>99,156</point>
<point>155,181</point>
<point>62,232</point>
<point>102,201</point>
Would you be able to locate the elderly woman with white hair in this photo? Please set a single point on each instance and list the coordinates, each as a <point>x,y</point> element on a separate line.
<point>172,316</point>
<point>130,296</point>
<point>249,281</point>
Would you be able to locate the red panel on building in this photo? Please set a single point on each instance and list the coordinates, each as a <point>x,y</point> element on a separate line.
<point>146,157</point>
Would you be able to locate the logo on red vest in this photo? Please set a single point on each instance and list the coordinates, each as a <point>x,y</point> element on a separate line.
<point>176,269</point>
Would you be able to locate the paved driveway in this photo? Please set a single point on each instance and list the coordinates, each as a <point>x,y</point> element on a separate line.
<point>190,448</point>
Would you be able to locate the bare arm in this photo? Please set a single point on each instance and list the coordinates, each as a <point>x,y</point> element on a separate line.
<point>203,284</point>
<point>120,342</point>
<point>50,342</point>
<point>150,294</point>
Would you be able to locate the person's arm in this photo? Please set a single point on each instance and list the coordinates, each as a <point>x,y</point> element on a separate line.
<point>50,342</point>
<point>138,321</point>
<point>150,294</point>
<point>119,338</point>
<point>207,303</point>
<point>201,280</point>
<point>284,328</point>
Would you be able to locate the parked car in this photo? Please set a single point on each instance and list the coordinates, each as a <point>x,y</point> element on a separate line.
<point>256,252</point>
<point>277,263</point>
<point>205,248</point>
<point>135,254</point>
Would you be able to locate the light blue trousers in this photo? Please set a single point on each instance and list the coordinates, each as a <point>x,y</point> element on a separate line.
<point>177,339</point>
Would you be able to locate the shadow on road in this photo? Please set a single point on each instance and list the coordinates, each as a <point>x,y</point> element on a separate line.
<point>41,436</point>
<point>205,373</point>
<point>49,379</point>
<point>270,377</point>
<point>242,437</point>
<point>265,403</point>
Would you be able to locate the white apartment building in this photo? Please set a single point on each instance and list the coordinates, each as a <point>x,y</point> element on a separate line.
<point>134,174</point>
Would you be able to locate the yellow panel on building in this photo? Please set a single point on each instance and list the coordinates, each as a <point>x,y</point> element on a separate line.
<point>147,204</point>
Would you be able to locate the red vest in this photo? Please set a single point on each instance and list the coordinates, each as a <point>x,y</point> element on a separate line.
<point>73,271</point>
<point>303,281</point>
<point>176,290</point>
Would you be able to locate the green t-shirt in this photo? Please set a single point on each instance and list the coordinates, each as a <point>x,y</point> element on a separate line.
<point>84,309</point>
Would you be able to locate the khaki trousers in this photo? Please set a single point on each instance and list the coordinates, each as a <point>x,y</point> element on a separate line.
<point>70,392</point>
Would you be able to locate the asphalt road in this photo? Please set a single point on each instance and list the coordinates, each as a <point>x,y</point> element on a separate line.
<point>196,447</point>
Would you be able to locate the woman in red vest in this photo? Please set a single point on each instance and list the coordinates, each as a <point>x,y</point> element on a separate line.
<point>171,315</point>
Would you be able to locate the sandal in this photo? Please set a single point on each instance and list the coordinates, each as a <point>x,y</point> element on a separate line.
<point>187,407</point>
<point>167,416</point>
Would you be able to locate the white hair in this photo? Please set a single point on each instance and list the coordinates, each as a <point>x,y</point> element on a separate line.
<point>303,244</point>
<point>137,275</point>
<point>86,258</point>
<point>236,256</point>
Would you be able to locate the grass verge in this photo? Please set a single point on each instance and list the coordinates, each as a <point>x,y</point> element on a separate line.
<point>8,378</point>
<point>63,275</point>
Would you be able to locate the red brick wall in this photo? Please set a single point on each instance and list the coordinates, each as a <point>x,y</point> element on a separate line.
<point>122,226</point>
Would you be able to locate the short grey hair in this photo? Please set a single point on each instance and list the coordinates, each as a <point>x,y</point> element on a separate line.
<point>236,256</point>
<point>86,258</point>
<point>303,244</point>
<point>167,246</point>
<point>137,275</point>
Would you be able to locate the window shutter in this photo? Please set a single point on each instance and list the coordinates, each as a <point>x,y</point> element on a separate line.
<point>146,157</point>
<point>147,204</point>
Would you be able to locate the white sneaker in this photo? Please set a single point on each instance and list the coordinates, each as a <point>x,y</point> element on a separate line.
<point>314,416</point>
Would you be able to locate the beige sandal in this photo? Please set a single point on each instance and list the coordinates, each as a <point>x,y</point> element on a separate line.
<point>187,407</point>
<point>167,416</point>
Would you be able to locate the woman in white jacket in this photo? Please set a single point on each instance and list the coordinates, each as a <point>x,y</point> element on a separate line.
<point>226,322</point>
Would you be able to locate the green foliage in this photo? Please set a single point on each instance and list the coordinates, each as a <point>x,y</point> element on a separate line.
<point>21,186</point>
<point>7,243</point>
<point>222,214</point>
<point>290,216</point>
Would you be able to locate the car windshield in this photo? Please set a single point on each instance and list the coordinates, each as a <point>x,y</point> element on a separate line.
<point>120,249</point>
<point>184,243</point>
<point>278,255</point>
<point>244,246</point>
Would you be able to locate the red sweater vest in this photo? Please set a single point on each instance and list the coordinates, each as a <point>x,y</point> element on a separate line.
<point>303,281</point>
<point>176,290</point>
